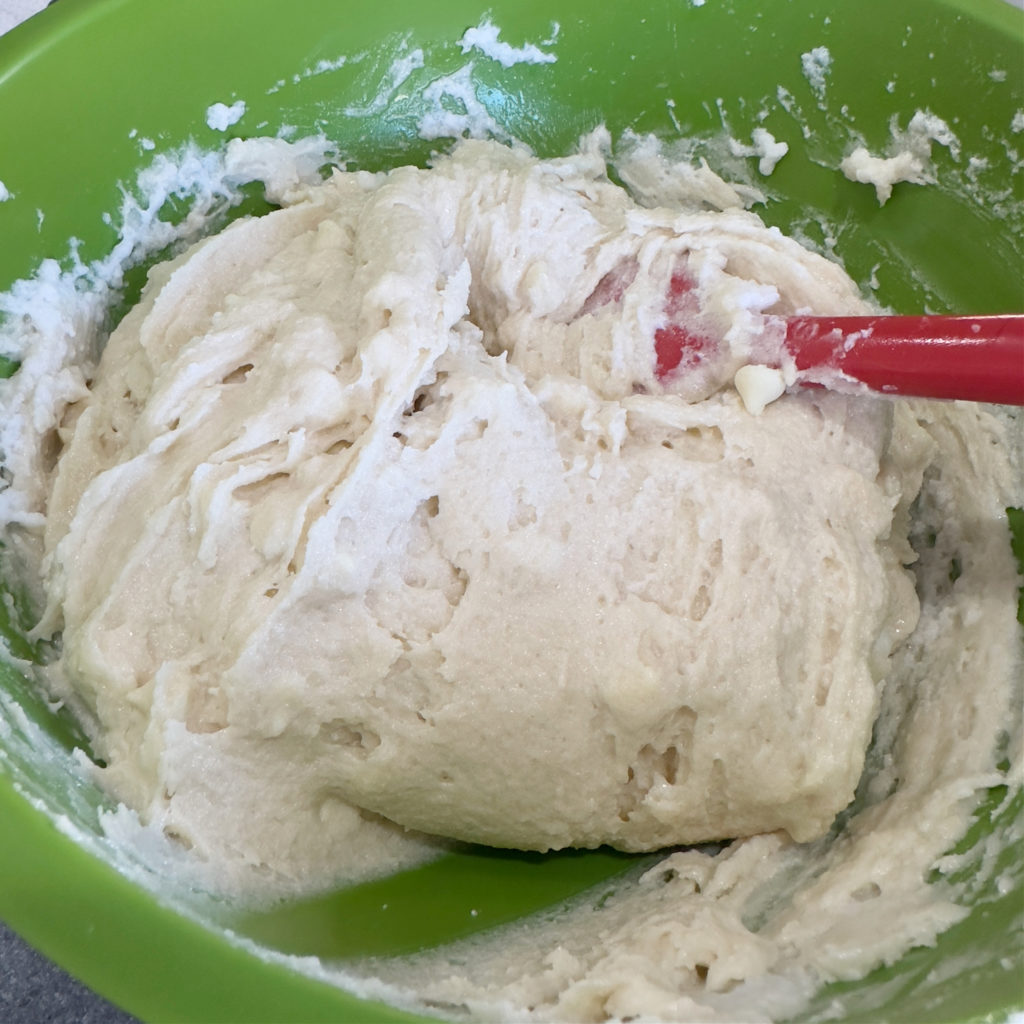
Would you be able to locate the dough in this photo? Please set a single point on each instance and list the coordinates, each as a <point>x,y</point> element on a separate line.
<point>377,508</point>
<point>376,515</point>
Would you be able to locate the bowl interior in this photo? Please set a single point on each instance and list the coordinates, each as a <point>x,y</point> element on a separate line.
<point>92,89</point>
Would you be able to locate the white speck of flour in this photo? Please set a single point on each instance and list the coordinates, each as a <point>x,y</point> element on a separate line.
<point>453,109</point>
<point>908,157</point>
<point>486,37</point>
<point>816,65</point>
<point>220,117</point>
<point>764,146</point>
<point>398,72</point>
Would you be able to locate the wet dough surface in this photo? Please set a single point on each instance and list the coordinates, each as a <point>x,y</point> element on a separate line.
<point>376,504</point>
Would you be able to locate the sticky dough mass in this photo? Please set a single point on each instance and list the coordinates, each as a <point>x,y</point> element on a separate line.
<point>377,512</point>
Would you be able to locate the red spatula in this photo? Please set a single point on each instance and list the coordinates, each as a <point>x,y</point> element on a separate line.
<point>977,358</point>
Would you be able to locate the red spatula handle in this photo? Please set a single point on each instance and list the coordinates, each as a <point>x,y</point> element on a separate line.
<point>978,358</point>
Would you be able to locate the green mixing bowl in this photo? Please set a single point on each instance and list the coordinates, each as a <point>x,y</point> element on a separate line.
<point>90,89</point>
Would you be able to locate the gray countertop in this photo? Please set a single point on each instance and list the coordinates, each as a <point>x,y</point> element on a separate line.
<point>34,990</point>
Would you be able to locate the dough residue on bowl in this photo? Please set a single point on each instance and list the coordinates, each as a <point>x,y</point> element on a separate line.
<point>908,159</point>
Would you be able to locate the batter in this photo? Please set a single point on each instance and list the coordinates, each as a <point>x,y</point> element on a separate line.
<point>378,523</point>
<point>394,486</point>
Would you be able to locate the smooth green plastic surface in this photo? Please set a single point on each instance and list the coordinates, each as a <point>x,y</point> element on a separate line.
<point>83,83</point>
